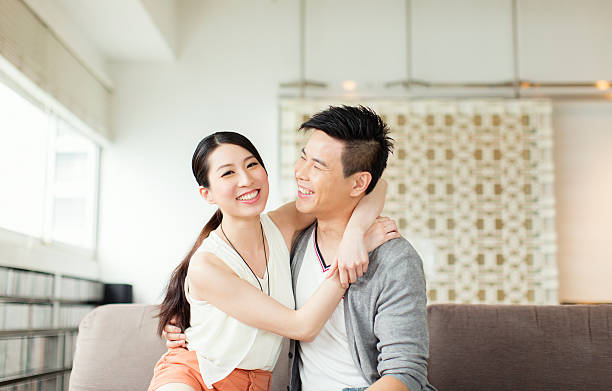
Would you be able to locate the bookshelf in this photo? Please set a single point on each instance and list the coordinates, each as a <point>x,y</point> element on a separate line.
<point>39,318</point>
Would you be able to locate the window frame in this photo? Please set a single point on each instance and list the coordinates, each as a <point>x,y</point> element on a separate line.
<point>44,253</point>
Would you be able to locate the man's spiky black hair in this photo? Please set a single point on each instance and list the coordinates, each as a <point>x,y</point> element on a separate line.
<point>365,134</point>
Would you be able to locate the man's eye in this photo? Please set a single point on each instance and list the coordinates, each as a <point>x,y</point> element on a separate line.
<point>227,173</point>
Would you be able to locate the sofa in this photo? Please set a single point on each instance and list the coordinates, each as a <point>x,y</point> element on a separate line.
<point>472,347</point>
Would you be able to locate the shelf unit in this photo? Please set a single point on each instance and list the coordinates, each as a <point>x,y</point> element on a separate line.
<point>39,317</point>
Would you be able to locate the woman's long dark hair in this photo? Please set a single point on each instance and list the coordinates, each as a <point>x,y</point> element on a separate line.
<point>175,303</point>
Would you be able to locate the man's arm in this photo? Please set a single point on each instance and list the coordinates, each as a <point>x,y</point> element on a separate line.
<point>388,383</point>
<point>400,323</point>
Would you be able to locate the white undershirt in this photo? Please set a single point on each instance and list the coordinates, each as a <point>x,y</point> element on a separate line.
<point>326,362</point>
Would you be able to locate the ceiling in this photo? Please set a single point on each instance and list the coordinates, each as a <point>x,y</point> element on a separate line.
<point>119,30</point>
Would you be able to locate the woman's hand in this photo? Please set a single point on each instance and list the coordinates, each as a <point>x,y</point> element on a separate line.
<point>174,338</point>
<point>381,231</point>
<point>352,256</point>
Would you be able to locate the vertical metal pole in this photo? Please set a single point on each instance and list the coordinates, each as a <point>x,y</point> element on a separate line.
<point>515,53</point>
<point>408,43</point>
<point>302,46</point>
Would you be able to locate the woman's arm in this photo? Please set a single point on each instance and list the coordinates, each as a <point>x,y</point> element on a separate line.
<point>388,383</point>
<point>290,221</point>
<point>212,280</point>
<point>382,230</point>
<point>352,255</point>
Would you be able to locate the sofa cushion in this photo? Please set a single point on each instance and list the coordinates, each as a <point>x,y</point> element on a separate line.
<point>516,347</point>
<point>472,347</point>
<point>117,349</point>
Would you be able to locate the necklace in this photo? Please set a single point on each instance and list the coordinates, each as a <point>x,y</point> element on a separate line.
<point>263,241</point>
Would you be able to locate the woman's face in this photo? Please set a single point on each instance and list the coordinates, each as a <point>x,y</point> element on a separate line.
<point>238,184</point>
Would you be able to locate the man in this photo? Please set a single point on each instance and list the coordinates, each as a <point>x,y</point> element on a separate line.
<point>377,337</point>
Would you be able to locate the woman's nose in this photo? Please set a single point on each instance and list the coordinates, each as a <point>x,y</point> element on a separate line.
<point>245,179</point>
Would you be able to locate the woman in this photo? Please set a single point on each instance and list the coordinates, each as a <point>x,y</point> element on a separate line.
<point>232,292</point>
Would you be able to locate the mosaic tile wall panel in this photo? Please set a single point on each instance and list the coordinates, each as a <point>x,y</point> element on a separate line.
<point>471,186</point>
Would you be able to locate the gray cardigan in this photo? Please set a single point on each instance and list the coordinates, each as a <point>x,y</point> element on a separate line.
<point>385,315</point>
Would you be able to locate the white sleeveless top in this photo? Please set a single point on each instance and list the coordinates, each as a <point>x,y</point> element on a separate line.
<point>223,343</point>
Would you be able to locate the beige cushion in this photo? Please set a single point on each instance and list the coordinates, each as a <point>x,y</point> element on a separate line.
<point>117,349</point>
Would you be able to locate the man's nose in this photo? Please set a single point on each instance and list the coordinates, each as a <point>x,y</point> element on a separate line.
<point>301,169</point>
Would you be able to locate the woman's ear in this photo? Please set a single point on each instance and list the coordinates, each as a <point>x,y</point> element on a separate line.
<point>206,195</point>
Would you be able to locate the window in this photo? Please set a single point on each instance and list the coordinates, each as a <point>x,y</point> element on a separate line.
<point>48,174</point>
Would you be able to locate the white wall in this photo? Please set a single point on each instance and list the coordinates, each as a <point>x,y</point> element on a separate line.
<point>459,41</point>
<point>234,54</point>
<point>583,189</point>
<point>565,39</point>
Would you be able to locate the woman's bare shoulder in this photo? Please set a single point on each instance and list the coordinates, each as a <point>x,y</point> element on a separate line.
<point>204,264</point>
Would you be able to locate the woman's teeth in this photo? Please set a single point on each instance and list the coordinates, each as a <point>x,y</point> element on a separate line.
<point>248,196</point>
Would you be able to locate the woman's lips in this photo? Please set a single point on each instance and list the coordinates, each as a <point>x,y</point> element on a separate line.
<point>250,197</point>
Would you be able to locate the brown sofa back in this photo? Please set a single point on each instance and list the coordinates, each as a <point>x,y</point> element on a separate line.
<point>473,347</point>
<point>512,347</point>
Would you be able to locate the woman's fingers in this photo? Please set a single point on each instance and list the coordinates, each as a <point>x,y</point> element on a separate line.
<point>332,269</point>
<point>175,344</point>
<point>390,225</point>
<point>171,329</point>
<point>175,336</point>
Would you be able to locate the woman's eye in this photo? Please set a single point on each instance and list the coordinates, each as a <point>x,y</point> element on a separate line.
<point>303,157</point>
<point>227,173</point>
<point>253,164</point>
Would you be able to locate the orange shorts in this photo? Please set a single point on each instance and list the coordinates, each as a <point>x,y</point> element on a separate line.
<point>181,366</point>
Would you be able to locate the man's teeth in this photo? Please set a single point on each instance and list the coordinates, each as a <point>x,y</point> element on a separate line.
<point>304,191</point>
<point>249,196</point>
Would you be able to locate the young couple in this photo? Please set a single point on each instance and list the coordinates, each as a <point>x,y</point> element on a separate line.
<point>235,292</point>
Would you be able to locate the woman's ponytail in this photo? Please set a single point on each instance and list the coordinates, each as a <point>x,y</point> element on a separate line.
<point>175,303</point>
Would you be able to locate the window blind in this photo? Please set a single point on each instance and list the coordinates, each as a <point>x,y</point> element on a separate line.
<point>29,46</point>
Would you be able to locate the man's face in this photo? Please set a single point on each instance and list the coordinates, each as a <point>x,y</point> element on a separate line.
<point>321,185</point>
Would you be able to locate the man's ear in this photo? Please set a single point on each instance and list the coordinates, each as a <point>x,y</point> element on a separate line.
<point>206,195</point>
<point>361,181</point>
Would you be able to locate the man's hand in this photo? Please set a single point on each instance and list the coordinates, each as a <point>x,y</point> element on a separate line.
<point>174,338</point>
<point>352,256</point>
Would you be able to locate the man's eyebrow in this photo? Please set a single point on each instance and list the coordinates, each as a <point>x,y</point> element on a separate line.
<point>321,162</point>
<point>231,164</point>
